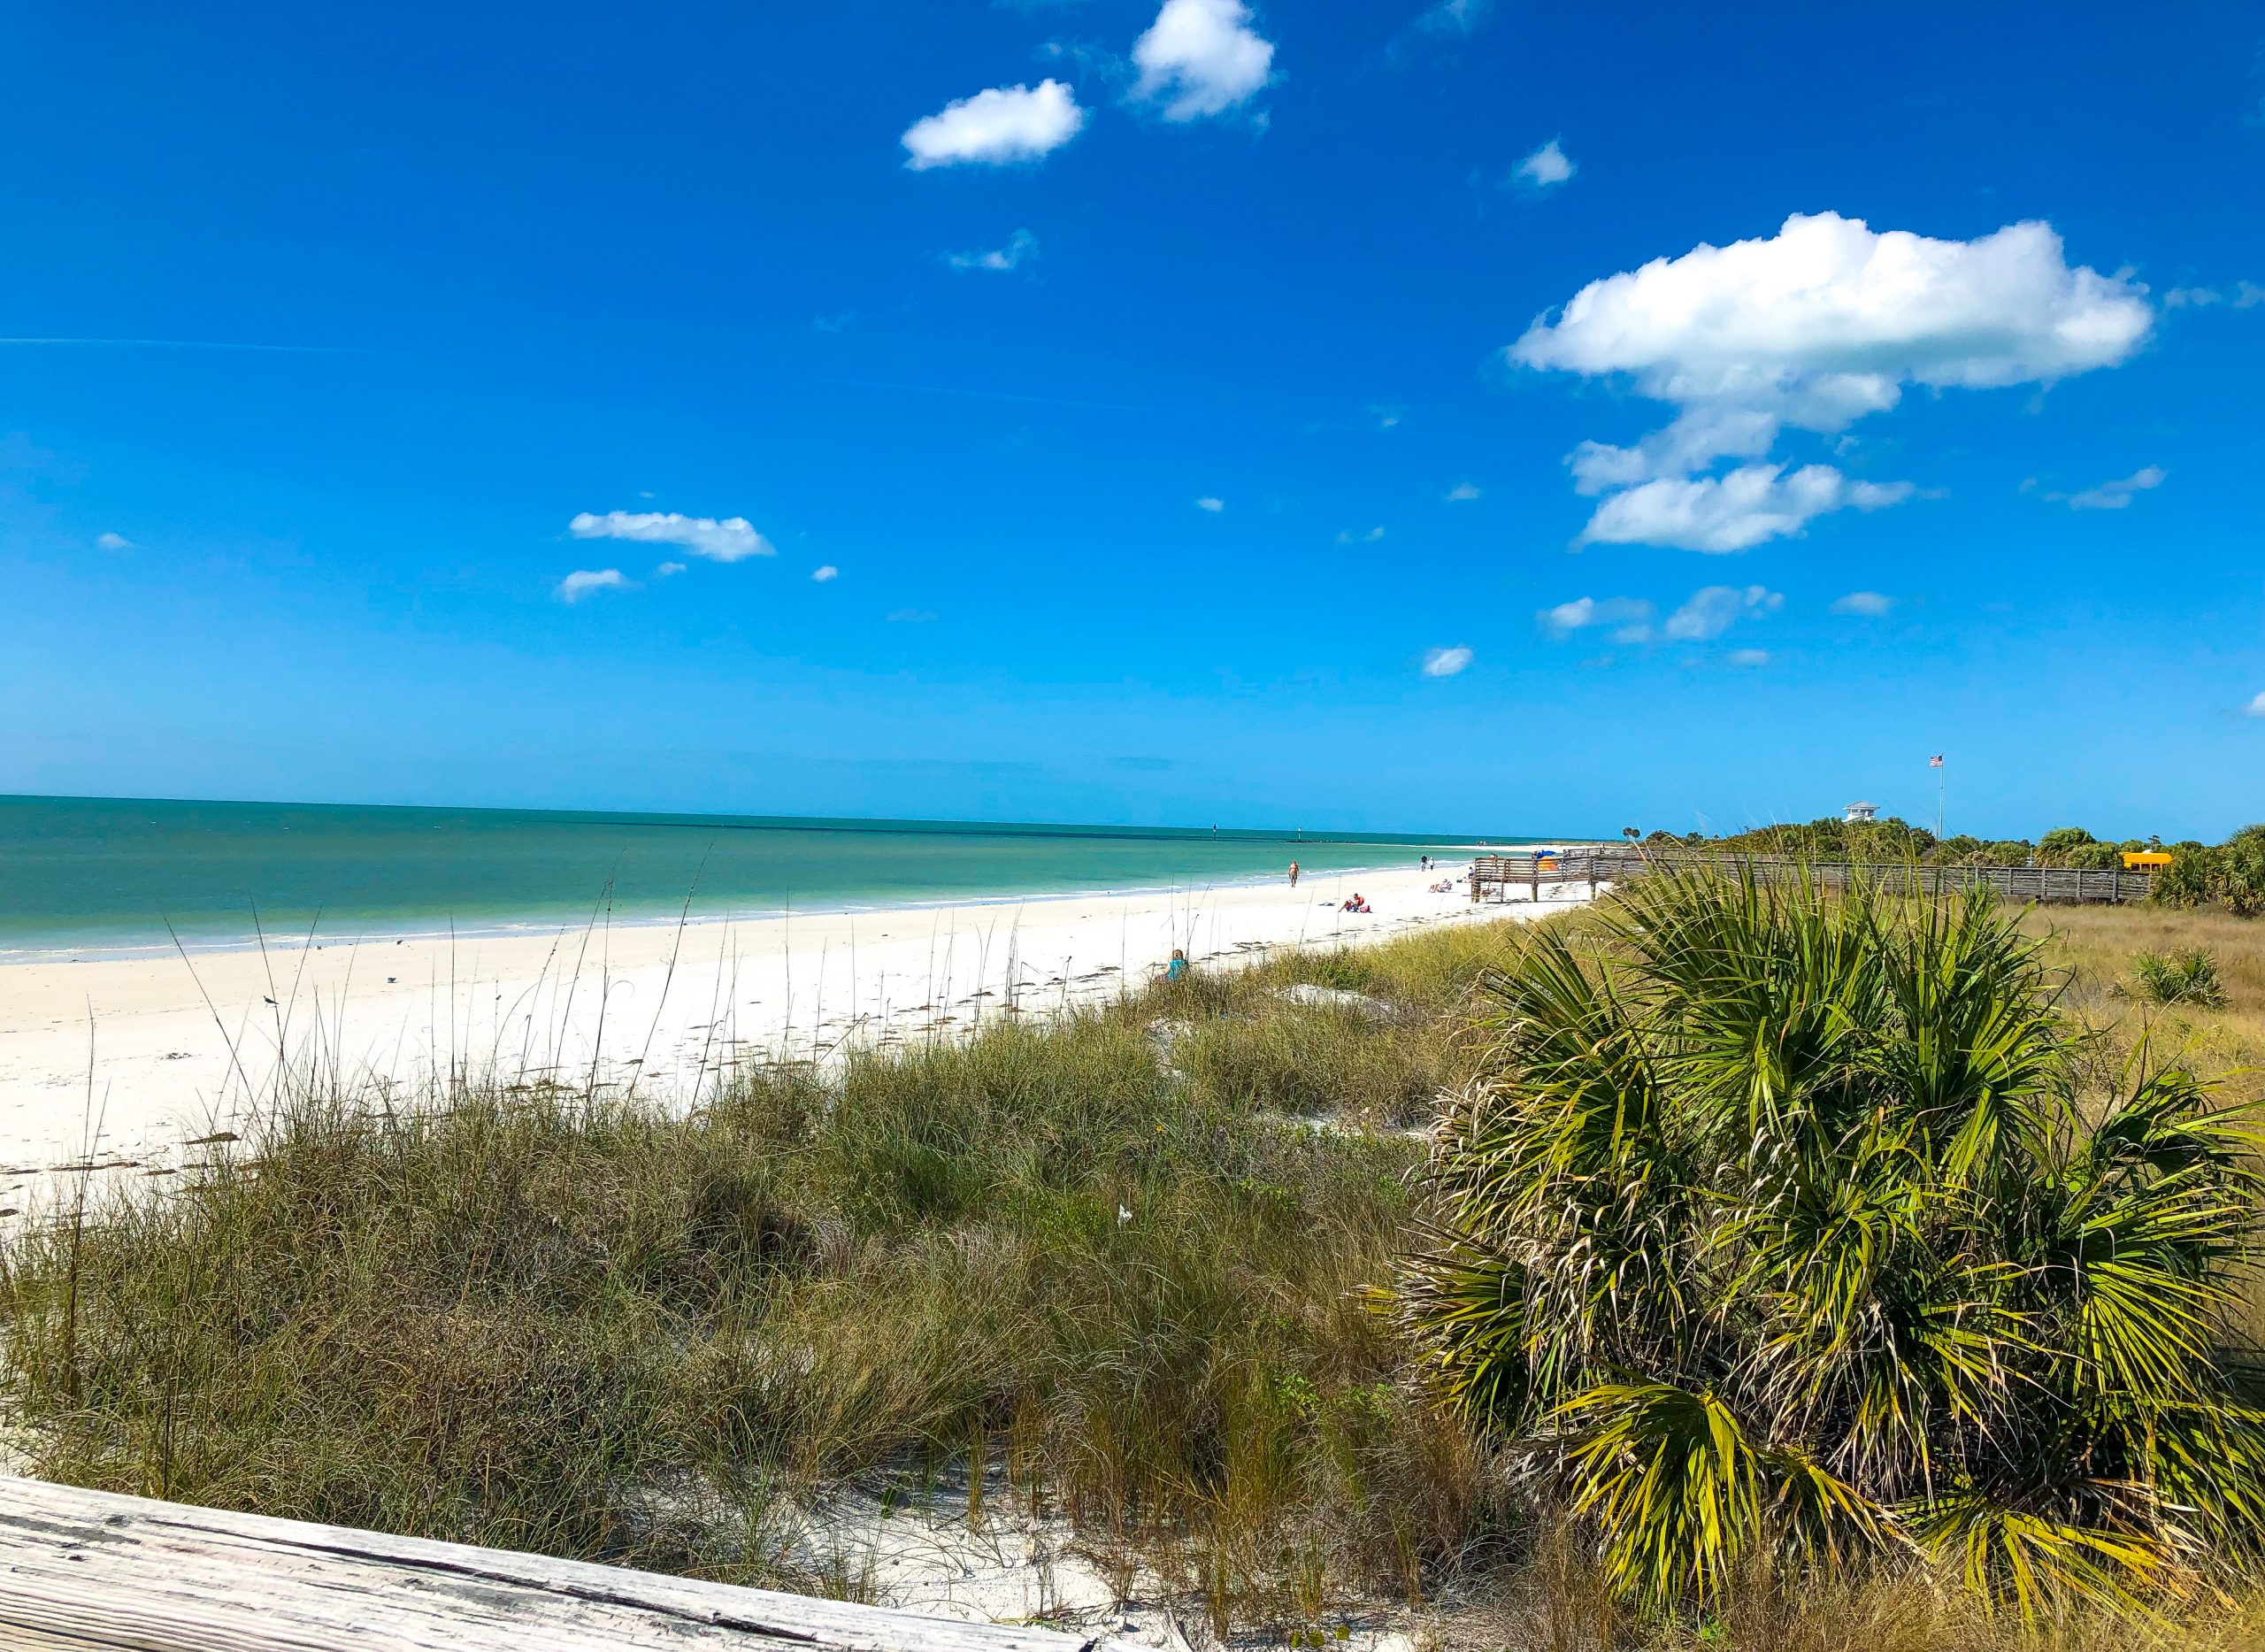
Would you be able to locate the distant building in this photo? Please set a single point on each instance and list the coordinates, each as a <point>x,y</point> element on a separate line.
<point>1855,812</point>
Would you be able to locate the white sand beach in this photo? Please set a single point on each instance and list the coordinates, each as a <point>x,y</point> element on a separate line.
<point>123,1063</point>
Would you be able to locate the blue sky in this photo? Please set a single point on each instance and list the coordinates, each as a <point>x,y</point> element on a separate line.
<point>977,304</point>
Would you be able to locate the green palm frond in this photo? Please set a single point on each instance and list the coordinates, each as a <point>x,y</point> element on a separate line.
<point>1666,1475</point>
<point>1818,1519</point>
<point>2207,1464</point>
<point>1787,1229</point>
<point>2038,1563</point>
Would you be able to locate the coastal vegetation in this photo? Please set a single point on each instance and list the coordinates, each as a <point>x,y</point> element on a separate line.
<point>1794,1235</point>
<point>2229,875</point>
<point>1938,1292</point>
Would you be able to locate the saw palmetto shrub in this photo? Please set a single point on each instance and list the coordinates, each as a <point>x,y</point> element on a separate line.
<point>1785,1235</point>
<point>2184,975</point>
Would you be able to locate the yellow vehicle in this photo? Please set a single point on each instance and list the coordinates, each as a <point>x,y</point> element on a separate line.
<point>2145,859</point>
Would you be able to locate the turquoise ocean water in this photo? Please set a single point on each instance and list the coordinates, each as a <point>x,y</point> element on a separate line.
<point>87,875</point>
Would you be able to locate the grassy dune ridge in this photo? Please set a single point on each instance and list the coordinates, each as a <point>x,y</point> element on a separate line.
<point>1115,1271</point>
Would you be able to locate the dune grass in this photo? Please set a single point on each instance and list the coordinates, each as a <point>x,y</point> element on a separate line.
<point>1114,1270</point>
<point>1122,1256</point>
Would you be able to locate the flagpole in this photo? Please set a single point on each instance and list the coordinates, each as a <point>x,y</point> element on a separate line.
<point>1942,777</point>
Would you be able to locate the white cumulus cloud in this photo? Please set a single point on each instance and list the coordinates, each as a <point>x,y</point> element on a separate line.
<point>668,571</point>
<point>731,540</point>
<point>1201,58</point>
<point>582,581</point>
<point>1020,245</point>
<point>1870,604</point>
<point>826,574</point>
<point>1827,319</point>
<point>1815,327</point>
<point>2255,708</point>
<point>994,127</point>
<point>113,542</point>
<point>1445,661</point>
<point>1714,609</point>
<point>1546,168</point>
<point>1208,503</point>
<point>2116,495</point>
<point>1747,507</point>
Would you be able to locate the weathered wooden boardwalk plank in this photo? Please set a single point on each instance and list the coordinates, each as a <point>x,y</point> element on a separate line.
<point>90,1572</point>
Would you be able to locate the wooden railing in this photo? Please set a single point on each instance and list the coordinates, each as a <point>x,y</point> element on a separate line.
<point>1495,876</point>
<point>83,1570</point>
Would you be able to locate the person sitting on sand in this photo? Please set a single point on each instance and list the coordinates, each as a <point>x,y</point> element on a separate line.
<point>1356,904</point>
<point>1177,970</point>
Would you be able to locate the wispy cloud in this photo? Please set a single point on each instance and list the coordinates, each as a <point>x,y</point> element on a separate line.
<point>668,571</point>
<point>825,575</point>
<point>2255,708</point>
<point>1629,616</point>
<point>1366,536</point>
<point>2241,296</point>
<point>911,616</point>
<point>1454,16</point>
<point>1546,168</point>
<point>1020,246</point>
<point>1747,658</point>
<point>584,581</point>
<point>1446,662</point>
<point>1463,493</point>
<point>1707,613</point>
<point>1386,414</point>
<point>1870,604</point>
<point>113,542</point>
<point>1212,504</point>
<point>733,539</point>
<point>1201,59</point>
<point>1712,610</point>
<point>2114,495</point>
<point>996,127</point>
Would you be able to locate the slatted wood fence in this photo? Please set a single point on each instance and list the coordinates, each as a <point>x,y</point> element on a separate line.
<point>1497,877</point>
<point>89,1572</point>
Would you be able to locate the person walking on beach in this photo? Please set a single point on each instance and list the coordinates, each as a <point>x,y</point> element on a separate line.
<point>1293,875</point>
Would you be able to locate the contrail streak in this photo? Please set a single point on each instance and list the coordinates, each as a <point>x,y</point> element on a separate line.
<point>186,343</point>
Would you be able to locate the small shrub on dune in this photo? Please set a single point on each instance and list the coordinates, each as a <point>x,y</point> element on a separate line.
<point>2188,975</point>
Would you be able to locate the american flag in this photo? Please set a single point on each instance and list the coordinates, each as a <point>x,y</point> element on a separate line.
<point>1934,763</point>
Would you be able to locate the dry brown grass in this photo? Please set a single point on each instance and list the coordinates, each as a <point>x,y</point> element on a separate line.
<point>2099,944</point>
